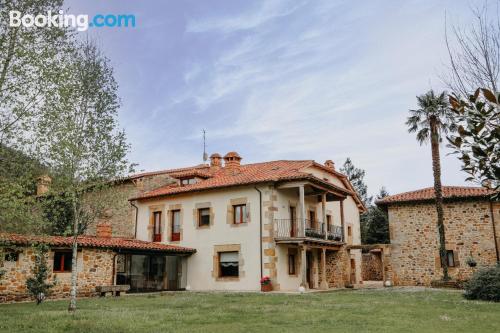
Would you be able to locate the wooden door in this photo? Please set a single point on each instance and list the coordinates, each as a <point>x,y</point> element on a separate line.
<point>309,269</point>
<point>353,271</point>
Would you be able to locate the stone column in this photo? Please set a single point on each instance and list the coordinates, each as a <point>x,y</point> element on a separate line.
<point>303,266</point>
<point>302,211</point>
<point>323,211</point>
<point>323,283</point>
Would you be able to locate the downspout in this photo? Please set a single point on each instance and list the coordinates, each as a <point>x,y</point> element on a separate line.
<point>494,232</point>
<point>260,231</point>
<point>136,216</point>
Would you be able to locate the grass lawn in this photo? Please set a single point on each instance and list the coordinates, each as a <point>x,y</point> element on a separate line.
<point>386,310</point>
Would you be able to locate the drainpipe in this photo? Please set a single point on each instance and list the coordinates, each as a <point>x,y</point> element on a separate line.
<point>136,216</point>
<point>260,231</point>
<point>494,232</point>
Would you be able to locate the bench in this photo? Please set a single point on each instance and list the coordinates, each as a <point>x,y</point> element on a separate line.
<point>114,290</point>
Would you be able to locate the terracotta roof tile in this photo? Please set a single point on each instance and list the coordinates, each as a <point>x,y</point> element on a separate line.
<point>95,242</point>
<point>201,167</point>
<point>427,194</point>
<point>273,171</point>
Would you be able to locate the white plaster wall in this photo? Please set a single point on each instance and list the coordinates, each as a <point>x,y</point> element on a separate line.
<point>200,264</point>
<point>286,281</point>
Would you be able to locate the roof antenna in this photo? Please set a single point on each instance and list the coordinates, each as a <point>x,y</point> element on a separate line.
<point>205,155</point>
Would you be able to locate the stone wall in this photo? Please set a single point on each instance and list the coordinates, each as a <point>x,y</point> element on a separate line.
<point>337,268</point>
<point>371,266</point>
<point>121,214</point>
<point>414,239</point>
<point>270,257</point>
<point>95,268</point>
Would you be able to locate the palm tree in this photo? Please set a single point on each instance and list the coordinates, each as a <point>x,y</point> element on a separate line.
<point>431,121</point>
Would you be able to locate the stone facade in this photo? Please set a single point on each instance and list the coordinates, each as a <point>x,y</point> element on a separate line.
<point>371,266</point>
<point>95,268</point>
<point>414,238</point>
<point>337,268</point>
<point>121,214</point>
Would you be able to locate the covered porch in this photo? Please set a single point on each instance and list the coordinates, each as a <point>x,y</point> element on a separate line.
<point>311,238</point>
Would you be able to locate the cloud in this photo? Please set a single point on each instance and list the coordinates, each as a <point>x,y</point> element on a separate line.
<point>266,12</point>
<point>322,82</point>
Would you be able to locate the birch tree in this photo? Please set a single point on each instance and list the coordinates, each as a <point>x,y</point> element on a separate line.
<point>79,139</point>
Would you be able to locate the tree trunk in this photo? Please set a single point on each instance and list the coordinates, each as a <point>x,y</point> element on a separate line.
<point>74,261</point>
<point>436,168</point>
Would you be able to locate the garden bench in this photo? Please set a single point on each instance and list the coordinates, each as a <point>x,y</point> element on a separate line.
<point>114,290</point>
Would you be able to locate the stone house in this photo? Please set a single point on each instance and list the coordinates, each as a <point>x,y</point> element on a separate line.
<point>289,220</point>
<point>102,260</point>
<point>472,229</point>
<point>217,226</point>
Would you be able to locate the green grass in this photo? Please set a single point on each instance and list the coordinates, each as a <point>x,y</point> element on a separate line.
<point>393,310</point>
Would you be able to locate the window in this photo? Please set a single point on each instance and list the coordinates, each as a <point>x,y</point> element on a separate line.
<point>291,264</point>
<point>203,217</point>
<point>188,181</point>
<point>176,225</point>
<point>329,223</point>
<point>349,231</point>
<point>157,227</point>
<point>62,261</point>
<point>11,255</point>
<point>240,214</point>
<point>450,258</point>
<point>228,264</point>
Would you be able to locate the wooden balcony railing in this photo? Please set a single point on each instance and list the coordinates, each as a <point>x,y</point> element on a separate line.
<point>290,228</point>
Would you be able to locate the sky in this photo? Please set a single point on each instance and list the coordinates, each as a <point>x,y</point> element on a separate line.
<point>281,79</point>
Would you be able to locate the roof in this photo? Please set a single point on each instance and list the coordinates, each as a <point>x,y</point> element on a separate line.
<point>94,242</point>
<point>427,194</point>
<point>247,174</point>
<point>201,168</point>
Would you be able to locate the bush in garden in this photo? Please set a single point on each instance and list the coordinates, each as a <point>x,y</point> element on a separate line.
<point>484,285</point>
<point>37,285</point>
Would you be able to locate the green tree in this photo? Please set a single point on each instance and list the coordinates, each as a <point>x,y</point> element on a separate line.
<point>37,285</point>
<point>356,177</point>
<point>431,121</point>
<point>17,192</point>
<point>29,63</point>
<point>375,223</point>
<point>79,139</point>
<point>30,59</point>
<point>477,141</point>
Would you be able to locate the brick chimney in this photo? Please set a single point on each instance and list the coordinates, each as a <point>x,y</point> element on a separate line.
<point>232,162</point>
<point>104,230</point>
<point>329,164</point>
<point>43,184</point>
<point>215,161</point>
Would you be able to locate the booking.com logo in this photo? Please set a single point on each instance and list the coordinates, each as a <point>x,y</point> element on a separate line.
<point>80,22</point>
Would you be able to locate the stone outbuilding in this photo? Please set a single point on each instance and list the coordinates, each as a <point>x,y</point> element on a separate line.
<point>102,261</point>
<point>472,229</point>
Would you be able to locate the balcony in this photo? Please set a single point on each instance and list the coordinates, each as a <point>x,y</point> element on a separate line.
<point>289,228</point>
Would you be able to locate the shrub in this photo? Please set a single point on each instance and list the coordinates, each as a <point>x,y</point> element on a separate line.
<point>484,285</point>
<point>37,285</point>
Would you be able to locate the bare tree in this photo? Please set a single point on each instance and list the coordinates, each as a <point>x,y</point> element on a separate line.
<point>474,53</point>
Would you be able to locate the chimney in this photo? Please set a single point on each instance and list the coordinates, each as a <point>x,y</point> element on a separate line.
<point>329,164</point>
<point>215,161</point>
<point>43,184</point>
<point>232,162</point>
<point>104,230</point>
